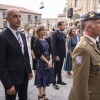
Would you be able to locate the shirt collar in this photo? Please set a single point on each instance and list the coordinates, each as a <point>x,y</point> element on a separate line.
<point>12,30</point>
<point>59,31</point>
<point>92,39</point>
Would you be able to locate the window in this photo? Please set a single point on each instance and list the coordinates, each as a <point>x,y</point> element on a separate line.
<point>76,3</point>
<point>99,6</point>
<point>4,24</point>
<point>29,19</point>
<point>4,15</point>
<point>99,1</point>
<point>36,18</point>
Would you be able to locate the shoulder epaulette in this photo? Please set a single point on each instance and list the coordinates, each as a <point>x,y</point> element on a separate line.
<point>83,43</point>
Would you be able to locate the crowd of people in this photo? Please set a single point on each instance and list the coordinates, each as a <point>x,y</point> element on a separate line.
<point>50,55</point>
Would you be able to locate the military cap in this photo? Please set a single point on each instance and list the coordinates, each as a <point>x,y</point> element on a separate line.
<point>90,16</point>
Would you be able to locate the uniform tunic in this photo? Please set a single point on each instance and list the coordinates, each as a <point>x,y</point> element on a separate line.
<point>86,71</point>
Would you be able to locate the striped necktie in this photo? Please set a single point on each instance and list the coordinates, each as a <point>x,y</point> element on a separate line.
<point>20,41</point>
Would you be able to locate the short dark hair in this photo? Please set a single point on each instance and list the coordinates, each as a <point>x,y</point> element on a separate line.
<point>60,23</point>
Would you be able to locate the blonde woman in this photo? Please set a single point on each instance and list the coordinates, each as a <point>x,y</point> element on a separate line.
<point>44,63</point>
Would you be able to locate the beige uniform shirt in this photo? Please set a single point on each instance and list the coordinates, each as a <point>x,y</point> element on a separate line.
<point>86,71</point>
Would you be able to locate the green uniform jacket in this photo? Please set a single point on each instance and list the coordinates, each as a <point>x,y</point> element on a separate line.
<point>86,71</point>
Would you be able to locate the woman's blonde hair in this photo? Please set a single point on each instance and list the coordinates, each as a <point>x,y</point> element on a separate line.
<point>38,29</point>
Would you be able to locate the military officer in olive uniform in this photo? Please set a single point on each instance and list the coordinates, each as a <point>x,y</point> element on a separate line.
<point>86,61</point>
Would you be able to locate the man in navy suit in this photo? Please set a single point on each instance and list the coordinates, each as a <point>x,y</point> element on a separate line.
<point>59,52</point>
<point>15,70</point>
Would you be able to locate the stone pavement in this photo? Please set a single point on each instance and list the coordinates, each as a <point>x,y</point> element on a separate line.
<point>52,94</point>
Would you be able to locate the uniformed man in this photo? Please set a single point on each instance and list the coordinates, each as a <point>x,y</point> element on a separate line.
<point>86,61</point>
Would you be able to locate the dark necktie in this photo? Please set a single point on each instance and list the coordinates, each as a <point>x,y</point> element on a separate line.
<point>98,43</point>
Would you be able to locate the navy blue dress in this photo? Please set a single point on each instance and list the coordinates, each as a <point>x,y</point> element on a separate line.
<point>43,74</point>
<point>71,45</point>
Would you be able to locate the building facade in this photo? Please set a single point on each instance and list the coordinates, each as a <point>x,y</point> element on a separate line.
<point>81,7</point>
<point>62,17</point>
<point>28,17</point>
<point>49,23</point>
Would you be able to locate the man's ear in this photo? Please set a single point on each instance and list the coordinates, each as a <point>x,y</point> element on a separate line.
<point>89,27</point>
<point>7,19</point>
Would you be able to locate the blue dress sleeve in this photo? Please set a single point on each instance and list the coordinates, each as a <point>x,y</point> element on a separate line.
<point>69,43</point>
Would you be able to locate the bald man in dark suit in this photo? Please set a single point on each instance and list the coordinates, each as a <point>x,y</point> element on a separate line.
<point>15,69</point>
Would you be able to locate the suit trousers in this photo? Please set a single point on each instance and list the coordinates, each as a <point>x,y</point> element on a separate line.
<point>21,90</point>
<point>57,71</point>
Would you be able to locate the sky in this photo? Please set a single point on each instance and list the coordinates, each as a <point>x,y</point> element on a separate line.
<point>51,7</point>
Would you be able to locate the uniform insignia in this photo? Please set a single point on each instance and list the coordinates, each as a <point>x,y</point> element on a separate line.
<point>91,14</point>
<point>79,59</point>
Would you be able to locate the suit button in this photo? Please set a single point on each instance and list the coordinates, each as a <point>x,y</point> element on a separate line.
<point>89,91</point>
<point>98,72</point>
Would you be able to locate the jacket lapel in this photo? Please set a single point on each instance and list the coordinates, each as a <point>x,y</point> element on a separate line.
<point>23,39</point>
<point>12,37</point>
<point>61,36</point>
<point>96,48</point>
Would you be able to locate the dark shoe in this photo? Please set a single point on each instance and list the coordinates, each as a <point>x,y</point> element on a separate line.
<point>44,96</point>
<point>62,83</point>
<point>40,97</point>
<point>56,86</point>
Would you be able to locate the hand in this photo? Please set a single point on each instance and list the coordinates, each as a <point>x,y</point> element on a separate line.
<point>30,76</point>
<point>49,64</point>
<point>33,56</point>
<point>57,58</point>
<point>11,91</point>
<point>71,54</point>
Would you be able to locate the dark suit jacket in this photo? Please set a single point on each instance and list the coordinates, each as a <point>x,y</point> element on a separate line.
<point>58,44</point>
<point>14,66</point>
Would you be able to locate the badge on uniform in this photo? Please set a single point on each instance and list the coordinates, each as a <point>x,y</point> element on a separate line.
<point>91,14</point>
<point>79,60</point>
